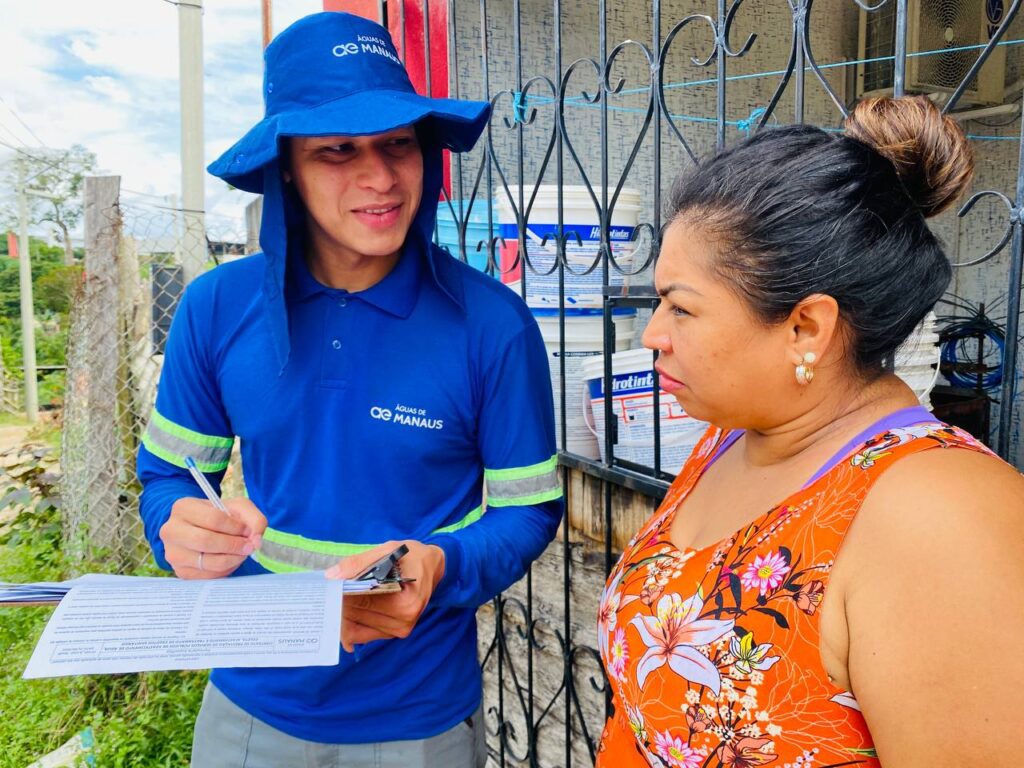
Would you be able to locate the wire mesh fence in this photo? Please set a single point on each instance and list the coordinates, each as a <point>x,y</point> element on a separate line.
<point>11,391</point>
<point>134,279</point>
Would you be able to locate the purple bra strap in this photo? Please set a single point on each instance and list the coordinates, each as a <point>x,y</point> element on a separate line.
<point>905,417</point>
<point>731,438</point>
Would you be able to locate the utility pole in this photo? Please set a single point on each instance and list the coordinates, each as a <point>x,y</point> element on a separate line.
<point>268,22</point>
<point>193,198</point>
<point>28,319</point>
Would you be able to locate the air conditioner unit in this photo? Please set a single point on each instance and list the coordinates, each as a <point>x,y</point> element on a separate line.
<point>938,32</point>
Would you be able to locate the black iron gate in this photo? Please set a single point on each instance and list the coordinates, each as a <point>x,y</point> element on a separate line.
<point>583,95</point>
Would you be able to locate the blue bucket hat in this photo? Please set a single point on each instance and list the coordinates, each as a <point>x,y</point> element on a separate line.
<point>335,73</point>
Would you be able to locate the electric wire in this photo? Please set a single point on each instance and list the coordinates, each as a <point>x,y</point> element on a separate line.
<point>24,124</point>
<point>958,338</point>
<point>36,158</point>
<point>13,135</point>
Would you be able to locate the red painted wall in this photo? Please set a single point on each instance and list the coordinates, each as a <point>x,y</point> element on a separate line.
<point>365,8</point>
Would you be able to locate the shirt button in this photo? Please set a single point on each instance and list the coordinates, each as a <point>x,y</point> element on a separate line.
<point>336,344</point>
<point>342,302</point>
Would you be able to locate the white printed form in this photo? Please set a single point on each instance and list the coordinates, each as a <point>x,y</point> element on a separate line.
<point>108,624</point>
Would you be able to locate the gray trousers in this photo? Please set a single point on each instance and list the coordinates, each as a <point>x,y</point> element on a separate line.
<point>226,736</point>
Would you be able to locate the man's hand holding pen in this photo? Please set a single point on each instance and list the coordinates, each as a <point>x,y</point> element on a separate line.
<point>388,615</point>
<point>210,539</point>
<point>202,542</point>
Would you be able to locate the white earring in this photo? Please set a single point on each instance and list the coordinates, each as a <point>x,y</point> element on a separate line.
<point>804,371</point>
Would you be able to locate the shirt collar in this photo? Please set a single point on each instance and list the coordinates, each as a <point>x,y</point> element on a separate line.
<point>396,293</point>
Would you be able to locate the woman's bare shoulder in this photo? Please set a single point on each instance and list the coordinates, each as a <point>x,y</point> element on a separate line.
<point>939,504</point>
<point>953,481</point>
<point>932,603</point>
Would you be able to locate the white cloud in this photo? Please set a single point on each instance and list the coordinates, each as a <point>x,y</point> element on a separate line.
<point>104,74</point>
<point>109,87</point>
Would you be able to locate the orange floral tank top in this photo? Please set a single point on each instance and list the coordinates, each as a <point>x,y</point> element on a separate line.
<point>713,655</point>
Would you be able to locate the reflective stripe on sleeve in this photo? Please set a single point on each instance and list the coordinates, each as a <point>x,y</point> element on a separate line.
<point>172,443</point>
<point>521,486</point>
<point>287,552</point>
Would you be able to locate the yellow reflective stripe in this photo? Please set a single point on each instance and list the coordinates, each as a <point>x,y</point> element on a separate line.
<point>275,566</point>
<point>526,501</point>
<point>521,473</point>
<point>521,486</point>
<point>172,443</point>
<point>170,458</point>
<point>288,552</point>
<point>197,438</point>
<point>469,519</point>
<point>314,545</point>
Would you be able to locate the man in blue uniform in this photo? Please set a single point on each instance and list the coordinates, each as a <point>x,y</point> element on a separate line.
<point>376,385</point>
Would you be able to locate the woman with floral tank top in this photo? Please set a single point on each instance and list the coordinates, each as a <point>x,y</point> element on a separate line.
<point>835,578</point>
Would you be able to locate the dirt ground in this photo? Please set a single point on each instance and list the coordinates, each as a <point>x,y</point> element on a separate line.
<point>11,436</point>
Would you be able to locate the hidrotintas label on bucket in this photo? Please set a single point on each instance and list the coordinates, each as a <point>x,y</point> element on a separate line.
<point>629,384</point>
<point>583,339</point>
<point>581,290</point>
<point>633,409</point>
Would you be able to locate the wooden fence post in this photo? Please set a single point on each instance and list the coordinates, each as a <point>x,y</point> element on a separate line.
<point>92,456</point>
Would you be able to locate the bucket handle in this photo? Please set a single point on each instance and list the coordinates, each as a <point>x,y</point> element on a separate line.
<point>588,421</point>
<point>935,378</point>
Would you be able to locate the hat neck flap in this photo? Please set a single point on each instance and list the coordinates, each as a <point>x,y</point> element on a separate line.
<point>282,236</point>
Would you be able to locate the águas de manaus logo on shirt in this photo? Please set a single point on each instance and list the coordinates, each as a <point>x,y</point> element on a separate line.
<point>406,416</point>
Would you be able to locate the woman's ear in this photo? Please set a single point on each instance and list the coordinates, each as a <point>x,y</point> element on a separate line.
<point>813,327</point>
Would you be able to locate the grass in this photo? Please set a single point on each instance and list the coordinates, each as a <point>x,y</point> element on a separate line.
<point>34,719</point>
<point>12,420</point>
<point>140,720</point>
<point>45,432</point>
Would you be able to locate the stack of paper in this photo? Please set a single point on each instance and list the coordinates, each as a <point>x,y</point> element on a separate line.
<point>39,593</point>
<point>108,624</point>
<point>52,592</point>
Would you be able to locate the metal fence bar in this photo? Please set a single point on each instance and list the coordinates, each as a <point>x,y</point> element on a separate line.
<point>721,48</point>
<point>800,11</point>
<point>1007,401</point>
<point>900,69</point>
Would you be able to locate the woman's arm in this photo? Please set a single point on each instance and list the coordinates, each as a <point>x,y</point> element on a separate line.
<point>934,605</point>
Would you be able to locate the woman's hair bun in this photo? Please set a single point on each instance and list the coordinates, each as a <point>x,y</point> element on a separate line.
<point>932,156</point>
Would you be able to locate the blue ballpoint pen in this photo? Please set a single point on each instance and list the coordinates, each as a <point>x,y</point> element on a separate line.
<point>200,478</point>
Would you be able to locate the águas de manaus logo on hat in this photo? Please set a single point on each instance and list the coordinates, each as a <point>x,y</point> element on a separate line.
<point>366,44</point>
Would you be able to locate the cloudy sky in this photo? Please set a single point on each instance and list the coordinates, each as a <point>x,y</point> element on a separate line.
<point>104,74</point>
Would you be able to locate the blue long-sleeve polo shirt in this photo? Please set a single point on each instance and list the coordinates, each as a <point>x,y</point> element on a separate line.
<point>395,404</point>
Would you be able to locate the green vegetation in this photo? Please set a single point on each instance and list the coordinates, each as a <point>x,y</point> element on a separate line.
<point>53,288</point>
<point>57,179</point>
<point>140,720</point>
<point>12,420</point>
<point>137,720</point>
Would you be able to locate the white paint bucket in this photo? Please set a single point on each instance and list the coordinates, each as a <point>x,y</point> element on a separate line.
<point>580,217</point>
<point>633,408</point>
<point>584,340</point>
